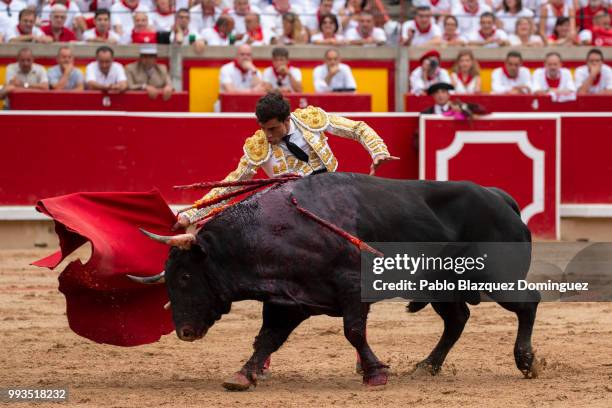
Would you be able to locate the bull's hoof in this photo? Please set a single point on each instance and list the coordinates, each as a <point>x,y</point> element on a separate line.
<point>425,368</point>
<point>263,375</point>
<point>377,380</point>
<point>536,368</point>
<point>237,382</point>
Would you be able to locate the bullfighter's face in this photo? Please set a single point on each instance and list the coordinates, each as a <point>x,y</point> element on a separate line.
<point>275,129</point>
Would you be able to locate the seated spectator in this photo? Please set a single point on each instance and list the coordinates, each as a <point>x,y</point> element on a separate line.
<point>451,36</point>
<point>488,35</point>
<point>553,78</point>
<point>146,75</point>
<point>333,75</point>
<point>74,18</point>
<point>465,75</point>
<point>272,15</point>
<point>328,31</point>
<point>182,34</point>
<point>468,13</point>
<point>595,77</point>
<point>524,35</point>
<point>280,75</point>
<point>122,19</point>
<point>65,76</point>
<point>440,92</point>
<point>24,74</point>
<point>421,32</point>
<point>511,11</point>
<point>313,22</point>
<point>349,14</point>
<point>220,34</point>
<point>239,12</point>
<point>438,7</point>
<point>241,75</point>
<point>293,31</point>
<point>562,33</point>
<point>255,34</point>
<point>204,15</point>
<point>104,74</point>
<point>600,33</point>
<point>56,29</point>
<point>428,73</point>
<point>102,32</point>
<point>9,13</point>
<point>512,78</point>
<point>162,17</point>
<point>584,16</point>
<point>25,30</point>
<point>142,33</point>
<point>551,12</point>
<point>366,33</point>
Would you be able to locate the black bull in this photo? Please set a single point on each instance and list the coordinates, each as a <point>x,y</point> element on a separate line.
<point>264,249</point>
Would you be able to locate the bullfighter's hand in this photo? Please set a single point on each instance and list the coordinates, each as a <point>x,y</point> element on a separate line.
<point>378,160</point>
<point>182,222</point>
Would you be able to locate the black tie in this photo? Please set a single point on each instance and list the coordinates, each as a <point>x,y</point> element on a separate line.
<point>295,149</point>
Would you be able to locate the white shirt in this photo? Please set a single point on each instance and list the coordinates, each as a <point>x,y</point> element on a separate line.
<point>73,11</point>
<point>468,22</point>
<point>539,81</point>
<point>462,88</point>
<point>378,34</point>
<point>91,34</point>
<point>122,16</point>
<point>551,19</point>
<point>186,36</point>
<point>501,84</point>
<point>270,77</point>
<point>272,21</point>
<point>199,22</point>
<point>508,20</point>
<point>212,37</point>
<point>342,80</point>
<point>115,75</point>
<point>605,81</point>
<point>420,38</point>
<point>498,34</point>
<point>442,6</point>
<point>13,32</point>
<point>419,86</point>
<point>239,24</point>
<point>161,22</point>
<point>440,109</point>
<point>16,6</point>
<point>514,40</point>
<point>230,74</point>
<point>318,37</point>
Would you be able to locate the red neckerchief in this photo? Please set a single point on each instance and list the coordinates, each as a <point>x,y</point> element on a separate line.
<point>278,75</point>
<point>507,74</point>
<point>98,34</point>
<point>162,13</point>
<point>257,34</point>
<point>423,31</point>
<point>93,6</point>
<point>132,8</point>
<point>486,37</point>
<point>7,2</point>
<point>553,37</point>
<point>557,11</point>
<point>222,35</point>
<point>243,71</point>
<point>431,77</point>
<point>434,3</point>
<point>553,82</point>
<point>147,37</point>
<point>465,81</point>
<point>597,79</point>
<point>475,11</point>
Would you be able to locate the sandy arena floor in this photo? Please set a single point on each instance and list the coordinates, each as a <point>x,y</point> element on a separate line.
<point>314,368</point>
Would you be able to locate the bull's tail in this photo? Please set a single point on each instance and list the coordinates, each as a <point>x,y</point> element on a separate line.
<point>507,198</point>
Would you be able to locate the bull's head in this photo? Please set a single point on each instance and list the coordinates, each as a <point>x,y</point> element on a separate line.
<point>193,294</point>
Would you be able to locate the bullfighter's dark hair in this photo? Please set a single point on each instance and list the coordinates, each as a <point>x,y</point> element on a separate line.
<point>272,106</point>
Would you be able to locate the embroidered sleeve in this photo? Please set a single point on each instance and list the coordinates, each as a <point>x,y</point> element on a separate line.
<point>358,131</point>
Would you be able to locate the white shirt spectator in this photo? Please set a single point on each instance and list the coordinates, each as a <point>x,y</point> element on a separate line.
<point>199,22</point>
<point>214,37</point>
<point>378,34</point>
<point>239,25</point>
<point>73,11</point>
<point>115,75</point>
<point>342,80</point>
<point>37,74</point>
<point>514,40</point>
<point>231,74</point>
<point>418,85</point>
<point>502,83</point>
<point>440,7</point>
<point>468,22</point>
<point>508,20</point>
<point>319,37</point>
<point>15,7</point>
<point>464,88</point>
<point>13,32</point>
<point>498,34</point>
<point>270,77</point>
<point>85,5</point>
<point>186,36</point>
<point>122,16</point>
<point>603,84</point>
<point>420,37</point>
<point>161,22</point>
<point>91,34</point>
<point>272,20</point>
<point>541,83</point>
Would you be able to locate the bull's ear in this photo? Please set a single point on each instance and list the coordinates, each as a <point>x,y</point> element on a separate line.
<point>201,243</point>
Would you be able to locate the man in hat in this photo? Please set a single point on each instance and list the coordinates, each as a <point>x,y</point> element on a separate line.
<point>428,73</point>
<point>440,92</point>
<point>146,75</point>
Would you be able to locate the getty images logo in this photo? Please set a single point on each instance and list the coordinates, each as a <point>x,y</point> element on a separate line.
<point>414,264</point>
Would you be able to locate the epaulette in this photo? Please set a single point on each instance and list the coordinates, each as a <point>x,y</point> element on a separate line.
<point>257,148</point>
<point>312,118</point>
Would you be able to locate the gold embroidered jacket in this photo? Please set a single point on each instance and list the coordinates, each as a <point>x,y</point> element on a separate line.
<point>312,122</point>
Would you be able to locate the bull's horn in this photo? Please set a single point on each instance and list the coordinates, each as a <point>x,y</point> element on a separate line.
<point>167,306</point>
<point>182,241</point>
<point>149,280</point>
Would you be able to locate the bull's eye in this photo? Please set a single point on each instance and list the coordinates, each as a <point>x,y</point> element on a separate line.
<point>185,278</point>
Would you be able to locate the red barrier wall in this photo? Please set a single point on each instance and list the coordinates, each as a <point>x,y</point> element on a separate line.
<point>53,154</point>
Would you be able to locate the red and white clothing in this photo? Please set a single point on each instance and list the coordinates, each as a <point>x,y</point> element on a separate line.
<point>602,83</point>
<point>188,37</point>
<point>258,38</point>
<point>479,37</point>
<point>66,35</point>
<point>116,74</point>
<point>277,81</point>
<point>214,37</point>
<point>502,83</point>
<point>436,6</point>
<point>199,22</point>
<point>93,34</point>
<point>542,82</point>
<point>508,20</point>
<point>552,13</point>
<point>239,25</point>
<point>515,40</point>
<point>463,84</point>
<point>418,85</point>
<point>272,20</point>
<point>122,15</point>
<point>584,16</point>
<point>318,38</point>
<point>73,11</point>
<point>13,8</point>
<point>93,5</point>
<point>468,21</point>
<point>420,36</point>
<point>161,21</point>
<point>597,36</point>
<point>143,37</point>
<point>14,32</point>
<point>378,34</point>
<point>232,73</point>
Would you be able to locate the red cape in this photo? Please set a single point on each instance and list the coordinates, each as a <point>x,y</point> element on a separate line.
<point>102,303</point>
